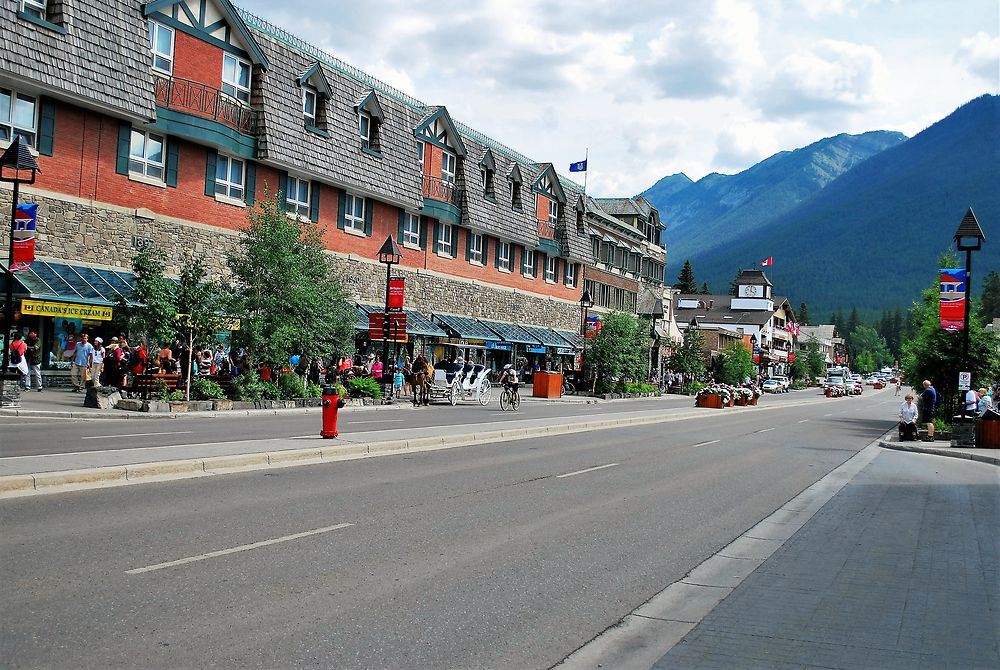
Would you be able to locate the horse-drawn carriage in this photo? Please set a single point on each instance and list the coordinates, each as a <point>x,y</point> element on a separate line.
<point>453,382</point>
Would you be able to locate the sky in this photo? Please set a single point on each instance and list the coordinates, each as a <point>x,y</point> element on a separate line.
<point>652,88</point>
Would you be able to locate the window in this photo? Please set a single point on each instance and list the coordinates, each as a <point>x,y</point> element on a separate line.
<point>297,196</point>
<point>411,229</point>
<point>475,248</point>
<point>553,212</point>
<point>529,264</point>
<point>503,256</point>
<point>515,194</point>
<point>444,238</point>
<point>448,163</point>
<point>230,177</point>
<point>569,278</point>
<point>486,175</point>
<point>420,156</point>
<point>145,156</point>
<point>309,106</point>
<point>161,44</point>
<point>236,78</point>
<point>354,213</point>
<point>550,269</point>
<point>18,114</point>
<point>365,129</point>
<point>35,8</point>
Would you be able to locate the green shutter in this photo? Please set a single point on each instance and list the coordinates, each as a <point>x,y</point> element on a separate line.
<point>283,191</point>
<point>250,192</point>
<point>211,159</point>
<point>486,251</point>
<point>468,244</point>
<point>576,275</point>
<point>47,127</point>
<point>422,225</point>
<point>437,232</point>
<point>124,142</point>
<point>314,193</point>
<point>496,259</point>
<point>402,222</point>
<point>173,151</point>
<point>369,206</point>
<point>341,208</point>
<point>524,257</point>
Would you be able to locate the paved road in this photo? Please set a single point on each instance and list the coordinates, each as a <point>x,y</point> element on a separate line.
<point>506,555</point>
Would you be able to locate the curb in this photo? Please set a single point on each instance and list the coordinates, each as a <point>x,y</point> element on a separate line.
<point>982,458</point>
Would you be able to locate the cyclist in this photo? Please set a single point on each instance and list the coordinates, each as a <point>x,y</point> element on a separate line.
<point>509,380</point>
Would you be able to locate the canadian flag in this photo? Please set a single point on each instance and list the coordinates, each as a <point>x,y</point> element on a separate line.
<point>767,261</point>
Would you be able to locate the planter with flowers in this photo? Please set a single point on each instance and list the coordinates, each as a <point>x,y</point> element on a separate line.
<point>715,396</point>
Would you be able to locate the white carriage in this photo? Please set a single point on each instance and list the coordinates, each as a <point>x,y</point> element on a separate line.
<point>457,381</point>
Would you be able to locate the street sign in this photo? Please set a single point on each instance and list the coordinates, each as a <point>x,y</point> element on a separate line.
<point>964,381</point>
<point>396,288</point>
<point>396,327</point>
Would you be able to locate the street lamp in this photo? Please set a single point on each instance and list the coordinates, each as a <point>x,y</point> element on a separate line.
<point>390,255</point>
<point>586,302</point>
<point>968,238</point>
<point>15,160</point>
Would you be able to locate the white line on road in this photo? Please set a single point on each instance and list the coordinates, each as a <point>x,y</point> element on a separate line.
<point>702,444</point>
<point>354,423</point>
<point>242,547</point>
<point>764,430</point>
<point>106,437</point>
<point>580,472</point>
<point>804,421</point>
<point>830,414</point>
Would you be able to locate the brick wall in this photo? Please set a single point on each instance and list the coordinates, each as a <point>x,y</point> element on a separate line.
<point>197,60</point>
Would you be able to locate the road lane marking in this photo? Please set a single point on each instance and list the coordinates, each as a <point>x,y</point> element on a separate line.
<point>764,430</point>
<point>354,423</point>
<point>702,444</point>
<point>804,421</point>
<point>105,437</point>
<point>242,547</point>
<point>580,472</point>
<point>830,414</point>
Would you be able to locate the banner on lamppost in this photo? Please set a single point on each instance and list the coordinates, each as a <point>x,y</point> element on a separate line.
<point>25,222</point>
<point>592,326</point>
<point>378,328</point>
<point>952,302</point>
<point>396,288</point>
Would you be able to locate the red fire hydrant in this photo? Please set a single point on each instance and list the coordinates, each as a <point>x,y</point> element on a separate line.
<point>332,402</point>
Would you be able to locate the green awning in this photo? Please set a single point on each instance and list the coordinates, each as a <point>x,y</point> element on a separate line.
<point>546,336</point>
<point>466,327</point>
<point>74,282</point>
<point>511,332</point>
<point>548,247</point>
<point>573,338</point>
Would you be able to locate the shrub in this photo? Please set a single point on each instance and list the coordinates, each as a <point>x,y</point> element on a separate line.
<point>269,391</point>
<point>248,387</point>
<point>164,393</point>
<point>693,387</point>
<point>940,426</point>
<point>206,389</point>
<point>314,391</point>
<point>639,387</point>
<point>364,387</point>
<point>290,385</point>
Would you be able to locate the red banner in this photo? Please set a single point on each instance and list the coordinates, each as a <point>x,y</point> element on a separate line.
<point>377,326</point>
<point>952,301</point>
<point>24,236</point>
<point>396,286</point>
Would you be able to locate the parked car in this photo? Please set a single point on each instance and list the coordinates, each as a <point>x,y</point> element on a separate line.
<point>784,381</point>
<point>871,380</point>
<point>771,386</point>
<point>854,387</point>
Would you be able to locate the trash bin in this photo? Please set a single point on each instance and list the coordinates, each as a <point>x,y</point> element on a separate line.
<point>988,430</point>
<point>547,385</point>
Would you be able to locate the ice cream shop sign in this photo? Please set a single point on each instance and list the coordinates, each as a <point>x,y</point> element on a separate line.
<point>66,310</point>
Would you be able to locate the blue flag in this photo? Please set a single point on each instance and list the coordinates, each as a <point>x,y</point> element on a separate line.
<point>578,167</point>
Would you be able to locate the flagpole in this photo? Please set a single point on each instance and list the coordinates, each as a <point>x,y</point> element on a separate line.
<point>586,157</point>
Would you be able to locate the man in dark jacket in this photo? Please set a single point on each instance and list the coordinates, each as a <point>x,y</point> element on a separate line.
<point>928,402</point>
<point>33,357</point>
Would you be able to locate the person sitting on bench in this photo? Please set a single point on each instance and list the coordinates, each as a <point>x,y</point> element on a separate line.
<point>908,414</point>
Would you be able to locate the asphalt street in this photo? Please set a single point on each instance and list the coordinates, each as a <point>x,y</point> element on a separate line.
<point>502,555</point>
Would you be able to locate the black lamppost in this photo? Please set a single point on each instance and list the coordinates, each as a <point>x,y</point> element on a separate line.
<point>390,255</point>
<point>968,238</point>
<point>15,160</point>
<point>586,302</point>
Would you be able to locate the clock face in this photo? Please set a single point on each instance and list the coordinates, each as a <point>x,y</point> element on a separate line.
<point>751,290</point>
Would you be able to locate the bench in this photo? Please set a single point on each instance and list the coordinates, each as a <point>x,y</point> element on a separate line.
<point>224,381</point>
<point>144,385</point>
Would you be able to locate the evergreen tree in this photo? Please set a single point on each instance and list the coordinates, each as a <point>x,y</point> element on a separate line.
<point>803,314</point>
<point>989,306</point>
<point>736,279</point>
<point>685,280</point>
<point>896,340</point>
<point>704,289</point>
<point>814,364</point>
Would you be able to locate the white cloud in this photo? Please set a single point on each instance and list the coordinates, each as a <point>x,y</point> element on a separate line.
<point>980,55</point>
<point>820,8</point>
<point>740,146</point>
<point>829,78</point>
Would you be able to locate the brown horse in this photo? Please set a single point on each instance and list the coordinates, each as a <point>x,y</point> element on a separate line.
<point>419,379</point>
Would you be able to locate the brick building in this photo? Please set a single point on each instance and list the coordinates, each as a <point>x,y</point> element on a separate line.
<point>162,122</point>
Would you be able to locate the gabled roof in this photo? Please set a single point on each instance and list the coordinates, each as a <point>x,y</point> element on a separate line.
<point>547,170</point>
<point>447,134</point>
<point>369,103</point>
<point>754,277</point>
<point>315,77</point>
<point>514,173</point>
<point>717,309</point>
<point>619,206</point>
<point>230,16</point>
<point>488,161</point>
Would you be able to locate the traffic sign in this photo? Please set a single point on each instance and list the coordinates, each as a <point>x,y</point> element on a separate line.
<point>964,381</point>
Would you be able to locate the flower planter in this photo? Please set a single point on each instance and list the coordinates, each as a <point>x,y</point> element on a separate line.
<point>710,401</point>
<point>753,400</point>
<point>741,402</point>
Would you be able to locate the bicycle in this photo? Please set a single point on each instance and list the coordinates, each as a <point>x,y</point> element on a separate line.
<point>509,400</point>
<point>568,388</point>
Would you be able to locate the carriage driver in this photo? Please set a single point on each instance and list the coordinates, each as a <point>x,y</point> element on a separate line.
<point>509,379</point>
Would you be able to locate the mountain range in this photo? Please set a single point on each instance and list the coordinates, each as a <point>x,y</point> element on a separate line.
<point>851,220</point>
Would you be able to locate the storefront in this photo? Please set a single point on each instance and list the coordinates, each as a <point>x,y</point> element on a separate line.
<point>517,340</point>
<point>422,335</point>
<point>468,339</point>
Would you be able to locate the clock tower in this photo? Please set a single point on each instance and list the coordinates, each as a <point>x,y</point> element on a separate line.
<point>753,291</point>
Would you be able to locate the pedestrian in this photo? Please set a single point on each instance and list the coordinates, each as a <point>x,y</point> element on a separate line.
<point>928,402</point>
<point>908,415</point>
<point>113,363</point>
<point>397,383</point>
<point>971,401</point>
<point>165,359</point>
<point>899,384</point>
<point>124,361</point>
<point>83,353</point>
<point>985,402</point>
<point>15,357</point>
<point>97,362</point>
<point>33,357</point>
<point>376,369</point>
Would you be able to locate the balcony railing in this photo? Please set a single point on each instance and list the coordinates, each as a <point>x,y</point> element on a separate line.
<point>193,97</point>
<point>437,189</point>
<point>546,230</point>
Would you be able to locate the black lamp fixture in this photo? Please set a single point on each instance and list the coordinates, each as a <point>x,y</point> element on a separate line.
<point>17,166</point>
<point>968,238</point>
<point>390,255</point>
<point>586,302</point>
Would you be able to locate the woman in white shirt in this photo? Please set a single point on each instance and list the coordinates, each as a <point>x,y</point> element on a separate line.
<point>908,414</point>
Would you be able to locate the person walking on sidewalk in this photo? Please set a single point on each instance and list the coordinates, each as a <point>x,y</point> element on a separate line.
<point>899,384</point>
<point>97,361</point>
<point>928,401</point>
<point>82,358</point>
<point>15,357</point>
<point>33,357</point>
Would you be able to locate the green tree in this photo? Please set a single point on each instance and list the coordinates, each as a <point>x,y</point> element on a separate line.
<point>737,364</point>
<point>704,289</point>
<point>199,308</point>
<point>803,314</point>
<point>870,350</point>
<point>989,305</point>
<point>618,352</point>
<point>685,280</point>
<point>284,289</point>
<point>689,357</point>
<point>813,363</point>
<point>935,354</point>
<point>735,280</point>
<point>151,314</point>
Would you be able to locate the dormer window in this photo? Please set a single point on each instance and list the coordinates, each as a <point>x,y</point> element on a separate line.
<point>161,44</point>
<point>236,78</point>
<point>515,194</point>
<point>315,95</point>
<point>35,8</point>
<point>365,129</point>
<point>370,119</point>
<point>449,165</point>
<point>309,106</point>
<point>487,170</point>
<point>420,156</point>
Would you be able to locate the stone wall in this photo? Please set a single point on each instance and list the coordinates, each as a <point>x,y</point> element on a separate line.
<point>76,230</point>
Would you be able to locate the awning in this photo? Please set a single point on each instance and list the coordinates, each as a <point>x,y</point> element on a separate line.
<point>546,336</point>
<point>73,282</point>
<point>466,327</point>
<point>511,332</point>
<point>570,336</point>
<point>416,322</point>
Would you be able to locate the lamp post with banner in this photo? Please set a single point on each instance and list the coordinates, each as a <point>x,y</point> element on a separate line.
<point>586,302</point>
<point>390,255</point>
<point>968,238</point>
